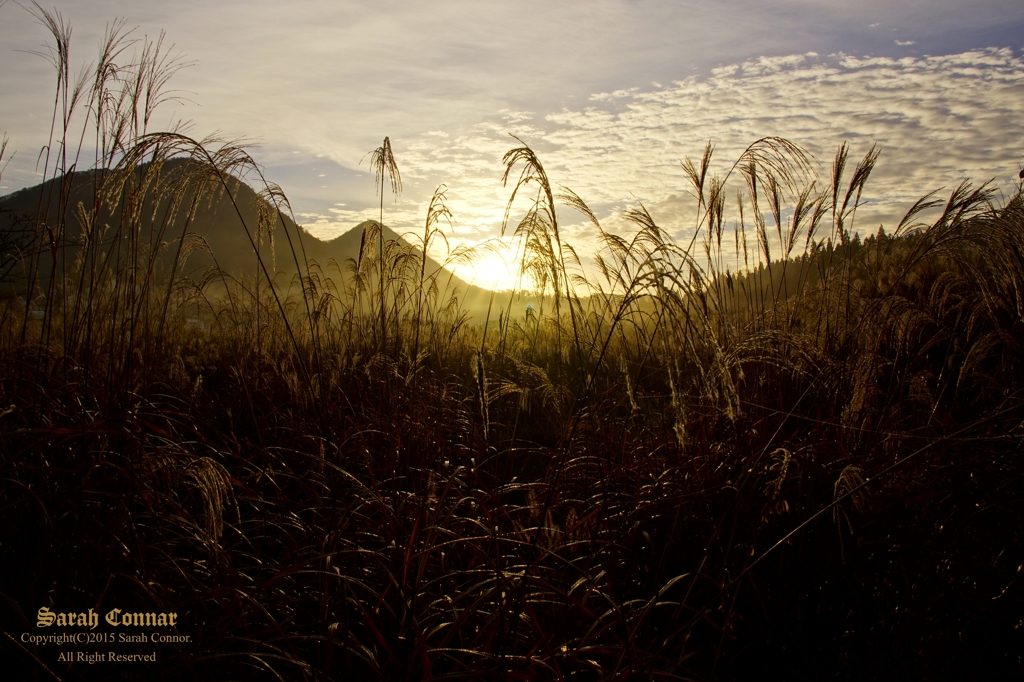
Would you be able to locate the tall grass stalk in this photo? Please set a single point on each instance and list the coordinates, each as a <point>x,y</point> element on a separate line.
<point>803,459</point>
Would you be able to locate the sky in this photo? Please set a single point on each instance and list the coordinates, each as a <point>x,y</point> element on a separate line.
<point>611,94</point>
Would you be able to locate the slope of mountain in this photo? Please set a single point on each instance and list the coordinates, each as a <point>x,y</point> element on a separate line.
<point>228,223</point>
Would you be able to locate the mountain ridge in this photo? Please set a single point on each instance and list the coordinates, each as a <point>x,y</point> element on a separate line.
<point>227,227</point>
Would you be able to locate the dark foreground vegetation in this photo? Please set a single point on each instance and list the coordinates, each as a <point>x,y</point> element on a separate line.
<point>810,470</point>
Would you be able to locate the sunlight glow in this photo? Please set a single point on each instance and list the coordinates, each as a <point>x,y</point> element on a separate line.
<point>494,267</point>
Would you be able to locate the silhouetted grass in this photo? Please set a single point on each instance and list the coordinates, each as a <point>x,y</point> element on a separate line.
<point>809,466</point>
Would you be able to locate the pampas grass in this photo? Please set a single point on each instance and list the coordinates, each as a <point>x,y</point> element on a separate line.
<point>671,469</point>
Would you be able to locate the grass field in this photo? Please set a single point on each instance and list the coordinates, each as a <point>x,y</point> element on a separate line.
<point>811,466</point>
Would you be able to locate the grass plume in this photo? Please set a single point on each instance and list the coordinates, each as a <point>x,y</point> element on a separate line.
<point>808,464</point>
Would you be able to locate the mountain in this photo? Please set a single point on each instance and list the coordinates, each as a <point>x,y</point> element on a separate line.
<point>227,226</point>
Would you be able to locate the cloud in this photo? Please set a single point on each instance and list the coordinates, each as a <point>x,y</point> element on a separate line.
<point>448,82</point>
<point>938,120</point>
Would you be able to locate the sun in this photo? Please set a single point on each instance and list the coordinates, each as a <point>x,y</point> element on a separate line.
<point>494,266</point>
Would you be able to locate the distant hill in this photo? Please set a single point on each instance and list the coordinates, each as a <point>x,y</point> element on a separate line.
<point>221,226</point>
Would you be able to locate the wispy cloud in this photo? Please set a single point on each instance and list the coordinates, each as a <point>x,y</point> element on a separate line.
<point>938,120</point>
<point>320,84</point>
